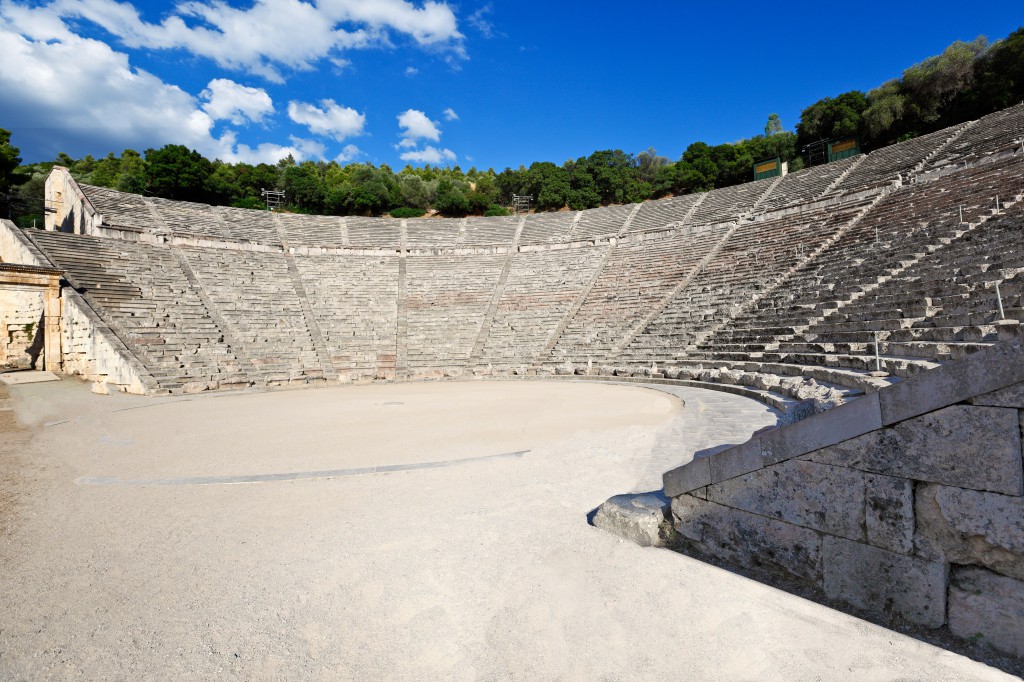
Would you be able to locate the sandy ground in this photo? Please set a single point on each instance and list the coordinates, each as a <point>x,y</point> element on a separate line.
<point>128,550</point>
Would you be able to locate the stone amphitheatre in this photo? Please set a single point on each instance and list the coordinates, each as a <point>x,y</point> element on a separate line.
<point>814,379</point>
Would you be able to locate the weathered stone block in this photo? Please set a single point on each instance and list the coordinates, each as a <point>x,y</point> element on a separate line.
<point>637,518</point>
<point>695,474</point>
<point>961,445</point>
<point>987,607</point>
<point>828,428</point>
<point>736,461</point>
<point>748,539</point>
<point>1011,396</point>
<point>818,496</point>
<point>884,583</point>
<point>970,527</point>
<point>982,372</point>
<point>889,512</point>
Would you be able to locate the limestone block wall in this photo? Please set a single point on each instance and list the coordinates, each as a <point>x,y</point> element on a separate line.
<point>908,502</point>
<point>70,210</point>
<point>93,351</point>
<point>21,326</point>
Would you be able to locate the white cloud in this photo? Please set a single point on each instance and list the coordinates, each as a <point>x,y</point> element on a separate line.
<point>417,126</point>
<point>333,120</point>
<point>349,153</point>
<point>450,115</point>
<point>480,22</point>
<point>411,71</point>
<point>228,100</point>
<point>59,87</point>
<point>428,154</point>
<point>273,33</point>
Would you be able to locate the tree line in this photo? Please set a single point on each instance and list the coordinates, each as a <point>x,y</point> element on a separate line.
<point>966,81</point>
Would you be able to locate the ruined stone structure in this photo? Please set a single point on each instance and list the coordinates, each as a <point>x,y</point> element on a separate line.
<point>852,282</point>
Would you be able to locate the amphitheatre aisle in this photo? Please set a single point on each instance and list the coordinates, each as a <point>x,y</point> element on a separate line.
<point>131,554</point>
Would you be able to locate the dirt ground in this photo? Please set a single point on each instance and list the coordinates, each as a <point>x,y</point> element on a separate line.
<point>406,532</point>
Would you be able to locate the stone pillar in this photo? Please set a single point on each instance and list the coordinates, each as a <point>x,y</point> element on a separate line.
<point>51,333</point>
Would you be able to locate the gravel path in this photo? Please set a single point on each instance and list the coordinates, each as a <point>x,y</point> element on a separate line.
<point>128,551</point>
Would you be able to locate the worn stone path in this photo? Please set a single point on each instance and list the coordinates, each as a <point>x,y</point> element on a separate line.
<point>483,570</point>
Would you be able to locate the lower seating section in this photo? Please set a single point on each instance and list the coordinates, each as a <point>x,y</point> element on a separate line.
<point>655,215</point>
<point>903,230</point>
<point>637,278</point>
<point>754,255</point>
<point>942,307</point>
<point>1001,131</point>
<point>806,185</point>
<point>730,203</point>
<point>144,296</point>
<point>355,304</point>
<point>252,294</point>
<point>540,290</point>
<point>597,222</point>
<point>446,301</point>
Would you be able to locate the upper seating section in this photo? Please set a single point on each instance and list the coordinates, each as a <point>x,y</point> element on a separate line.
<point>807,185</point>
<point>1001,131</point>
<point>656,215</point>
<point>600,222</point>
<point>436,232</point>
<point>899,160</point>
<point>548,227</point>
<point>730,203</point>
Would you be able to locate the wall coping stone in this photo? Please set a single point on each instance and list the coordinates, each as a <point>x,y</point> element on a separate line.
<point>956,381</point>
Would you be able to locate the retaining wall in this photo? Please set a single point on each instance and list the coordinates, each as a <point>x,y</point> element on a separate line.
<point>908,502</point>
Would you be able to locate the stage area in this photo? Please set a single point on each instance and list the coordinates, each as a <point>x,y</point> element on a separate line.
<point>404,531</point>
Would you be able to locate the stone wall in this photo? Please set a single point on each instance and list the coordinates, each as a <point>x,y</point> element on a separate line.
<point>21,325</point>
<point>71,211</point>
<point>908,502</point>
<point>93,351</point>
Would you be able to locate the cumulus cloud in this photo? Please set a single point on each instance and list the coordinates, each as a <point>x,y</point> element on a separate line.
<point>230,101</point>
<point>332,120</point>
<point>450,115</point>
<point>59,87</point>
<point>349,153</point>
<point>411,71</point>
<point>417,126</point>
<point>270,34</point>
<point>428,154</point>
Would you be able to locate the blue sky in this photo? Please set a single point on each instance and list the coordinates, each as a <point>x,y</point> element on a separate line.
<point>486,84</point>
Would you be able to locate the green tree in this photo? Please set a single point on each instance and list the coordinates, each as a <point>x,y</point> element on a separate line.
<point>132,173</point>
<point>176,172</point>
<point>773,126</point>
<point>832,117</point>
<point>9,161</point>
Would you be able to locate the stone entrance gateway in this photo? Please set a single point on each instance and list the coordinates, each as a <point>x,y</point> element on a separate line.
<point>30,316</point>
